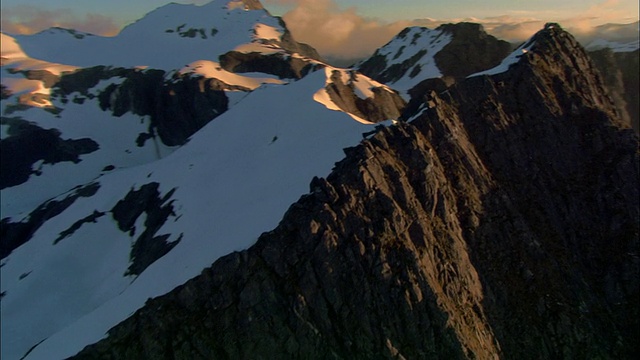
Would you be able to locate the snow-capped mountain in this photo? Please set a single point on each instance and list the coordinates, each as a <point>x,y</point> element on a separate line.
<point>167,38</point>
<point>408,58</point>
<point>416,54</point>
<point>130,189</point>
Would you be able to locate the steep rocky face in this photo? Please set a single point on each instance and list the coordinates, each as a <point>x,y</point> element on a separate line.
<point>620,73</point>
<point>502,221</point>
<point>407,58</point>
<point>471,50</point>
<point>15,234</point>
<point>297,60</point>
<point>147,248</point>
<point>451,51</point>
<point>288,43</point>
<point>384,103</point>
<point>178,107</point>
<point>283,65</point>
<point>566,252</point>
<point>28,144</point>
<point>367,265</point>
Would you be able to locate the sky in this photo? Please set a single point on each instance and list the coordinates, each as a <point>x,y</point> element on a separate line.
<point>346,28</point>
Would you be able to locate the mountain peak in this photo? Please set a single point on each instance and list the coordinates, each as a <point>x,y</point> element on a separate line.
<point>417,54</point>
<point>166,38</point>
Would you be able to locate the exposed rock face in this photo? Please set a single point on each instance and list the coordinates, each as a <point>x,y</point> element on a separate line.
<point>405,55</point>
<point>566,210</point>
<point>620,73</point>
<point>283,65</point>
<point>501,222</point>
<point>288,43</point>
<point>471,50</point>
<point>29,143</point>
<point>384,104</point>
<point>177,107</point>
<point>147,248</point>
<point>286,65</point>
<point>15,234</point>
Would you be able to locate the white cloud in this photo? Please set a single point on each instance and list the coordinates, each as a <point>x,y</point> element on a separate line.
<point>24,19</point>
<point>343,33</point>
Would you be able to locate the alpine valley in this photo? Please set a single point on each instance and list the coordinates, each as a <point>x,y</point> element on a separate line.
<point>203,186</point>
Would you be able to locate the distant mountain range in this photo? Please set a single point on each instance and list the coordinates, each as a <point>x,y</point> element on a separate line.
<point>203,186</point>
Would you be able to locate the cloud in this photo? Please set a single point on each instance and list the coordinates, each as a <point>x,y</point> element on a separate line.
<point>343,33</point>
<point>24,19</point>
<point>334,31</point>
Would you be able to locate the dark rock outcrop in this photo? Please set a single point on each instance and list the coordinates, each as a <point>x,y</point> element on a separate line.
<point>285,65</point>
<point>93,218</point>
<point>282,65</point>
<point>471,50</point>
<point>501,223</point>
<point>382,106</point>
<point>386,68</point>
<point>28,143</point>
<point>377,67</point>
<point>177,107</point>
<point>620,73</point>
<point>14,234</point>
<point>288,43</point>
<point>147,248</point>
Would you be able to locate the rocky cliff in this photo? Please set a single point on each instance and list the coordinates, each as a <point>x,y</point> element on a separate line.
<point>178,106</point>
<point>500,222</point>
<point>451,52</point>
<point>471,50</point>
<point>620,74</point>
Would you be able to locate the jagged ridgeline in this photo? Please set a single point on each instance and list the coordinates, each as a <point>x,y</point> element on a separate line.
<point>501,221</point>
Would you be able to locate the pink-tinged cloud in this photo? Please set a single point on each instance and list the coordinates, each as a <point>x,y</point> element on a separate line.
<point>336,32</point>
<point>25,19</point>
<point>343,33</point>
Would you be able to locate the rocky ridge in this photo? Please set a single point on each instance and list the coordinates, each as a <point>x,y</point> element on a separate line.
<point>501,221</point>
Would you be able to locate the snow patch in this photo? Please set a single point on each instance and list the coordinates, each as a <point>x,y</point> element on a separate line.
<point>18,60</point>
<point>211,69</point>
<point>267,32</point>
<point>19,86</point>
<point>414,43</point>
<point>510,60</point>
